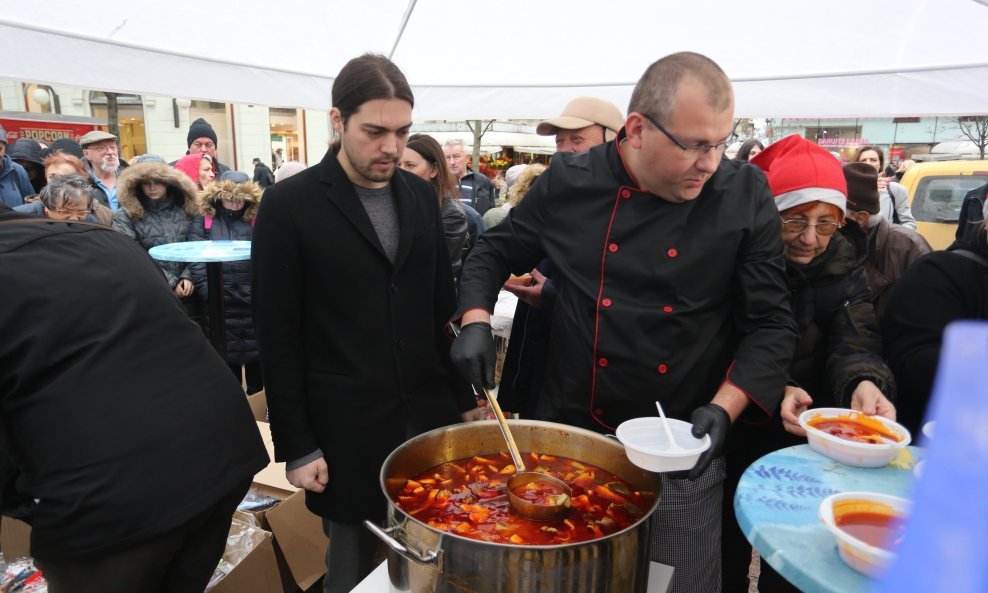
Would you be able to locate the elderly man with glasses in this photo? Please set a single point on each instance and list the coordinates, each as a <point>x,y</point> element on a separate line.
<point>671,287</point>
<point>102,159</point>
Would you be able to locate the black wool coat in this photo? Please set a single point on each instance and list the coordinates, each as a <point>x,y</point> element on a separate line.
<point>353,348</point>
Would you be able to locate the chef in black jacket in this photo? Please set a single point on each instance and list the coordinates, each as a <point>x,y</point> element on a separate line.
<point>671,287</point>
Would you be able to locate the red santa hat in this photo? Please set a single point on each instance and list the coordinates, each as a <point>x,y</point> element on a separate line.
<point>800,172</point>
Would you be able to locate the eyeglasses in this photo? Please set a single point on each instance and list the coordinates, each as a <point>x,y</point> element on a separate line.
<point>101,148</point>
<point>699,149</point>
<point>72,214</point>
<point>797,226</point>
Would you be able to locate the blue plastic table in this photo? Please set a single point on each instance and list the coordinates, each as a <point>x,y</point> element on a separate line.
<point>213,253</point>
<point>777,506</point>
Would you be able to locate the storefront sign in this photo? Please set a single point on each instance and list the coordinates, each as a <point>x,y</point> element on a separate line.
<point>44,132</point>
<point>843,141</point>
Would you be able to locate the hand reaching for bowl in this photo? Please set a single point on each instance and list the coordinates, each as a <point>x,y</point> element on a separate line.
<point>795,401</point>
<point>870,400</point>
<point>312,476</point>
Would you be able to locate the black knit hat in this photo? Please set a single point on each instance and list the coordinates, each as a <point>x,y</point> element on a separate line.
<point>201,129</point>
<point>862,187</point>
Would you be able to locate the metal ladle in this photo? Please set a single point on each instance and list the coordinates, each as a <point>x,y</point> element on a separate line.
<point>538,512</point>
<point>529,510</point>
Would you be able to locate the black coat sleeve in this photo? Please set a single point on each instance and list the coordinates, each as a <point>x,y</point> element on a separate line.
<point>763,316</point>
<point>514,245</point>
<point>854,345</point>
<point>277,305</point>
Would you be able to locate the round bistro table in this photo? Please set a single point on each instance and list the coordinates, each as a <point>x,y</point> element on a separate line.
<point>213,254</point>
<point>777,504</point>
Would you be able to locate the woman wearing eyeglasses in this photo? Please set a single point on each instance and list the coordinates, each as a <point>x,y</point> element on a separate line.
<point>65,197</point>
<point>838,356</point>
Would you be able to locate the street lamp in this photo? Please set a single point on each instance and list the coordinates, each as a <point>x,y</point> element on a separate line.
<point>44,94</point>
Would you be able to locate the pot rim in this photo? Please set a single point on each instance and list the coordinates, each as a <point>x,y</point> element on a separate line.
<point>538,423</point>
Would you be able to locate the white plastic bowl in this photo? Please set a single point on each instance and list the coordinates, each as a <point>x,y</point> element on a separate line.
<point>862,557</point>
<point>850,452</point>
<point>646,445</point>
<point>928,429</point>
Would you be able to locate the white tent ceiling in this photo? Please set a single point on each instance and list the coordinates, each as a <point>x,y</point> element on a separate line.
<point>515,59</point>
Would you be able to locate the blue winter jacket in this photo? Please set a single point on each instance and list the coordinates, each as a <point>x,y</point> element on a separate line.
<point>14,183</point>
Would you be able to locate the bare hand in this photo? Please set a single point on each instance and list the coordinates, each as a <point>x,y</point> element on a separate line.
<point>794,402</point>
<point>531,294</point>
<point>870,400</point>
<point>883,182</point>
<point>474,415</point>
<point>312,476</point>
<point>184,288</point>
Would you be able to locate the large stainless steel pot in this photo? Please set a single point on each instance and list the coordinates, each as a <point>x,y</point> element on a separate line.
<point>426,560</point>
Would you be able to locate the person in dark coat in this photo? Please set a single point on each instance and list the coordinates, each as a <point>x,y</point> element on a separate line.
<point>157,203</point>
<point>228,210</point>
<point>124,441</point>
<point>202,139</point>
<point>970,215</point>
<point>940,288</point>
<point>670,286</point>
<point>26,152</point>
<point>352,289</point>
<point>263,176</point>
<point>424,157</point>
<point>14,182</point>
<point>891,248</point>
<point>838,358</point>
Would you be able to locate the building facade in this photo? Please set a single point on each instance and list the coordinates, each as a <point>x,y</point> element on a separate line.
<point>151,124</point>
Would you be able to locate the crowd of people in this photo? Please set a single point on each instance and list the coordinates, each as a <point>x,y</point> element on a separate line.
<point>738,292</point>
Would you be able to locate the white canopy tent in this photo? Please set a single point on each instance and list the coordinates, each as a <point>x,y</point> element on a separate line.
<point>515,59</point>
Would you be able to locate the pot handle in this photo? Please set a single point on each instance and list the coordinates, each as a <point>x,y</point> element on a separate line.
<point>430,557</point>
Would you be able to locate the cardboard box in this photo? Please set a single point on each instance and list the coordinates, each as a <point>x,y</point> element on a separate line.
<point>257,572</point>
<point>298,536</point>
<point>15,538</point>
<point>259,406</point>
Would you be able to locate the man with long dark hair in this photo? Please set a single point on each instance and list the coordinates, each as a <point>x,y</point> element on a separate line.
<point>352,286</point>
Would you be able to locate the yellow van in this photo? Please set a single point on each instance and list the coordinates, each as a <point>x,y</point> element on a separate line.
<point>936,191</point>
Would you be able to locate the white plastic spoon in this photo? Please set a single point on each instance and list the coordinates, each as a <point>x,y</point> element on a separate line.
<point>673,446</point>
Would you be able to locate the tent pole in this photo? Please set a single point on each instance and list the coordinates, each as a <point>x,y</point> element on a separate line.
<point>401,28</point>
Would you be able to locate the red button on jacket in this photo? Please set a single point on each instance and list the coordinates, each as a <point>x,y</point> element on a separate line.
<point>625,193</point>
<point>602,362</point>
<point>606,302</point>
<point>663,369</point>
<point>672,252</point>
<point>613,247</point>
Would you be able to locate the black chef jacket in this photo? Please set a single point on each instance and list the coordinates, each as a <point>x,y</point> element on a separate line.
<point>656,300</point>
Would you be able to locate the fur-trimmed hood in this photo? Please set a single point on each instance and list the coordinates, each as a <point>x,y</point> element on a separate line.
<point>180,187</point>
<point>249,193</point>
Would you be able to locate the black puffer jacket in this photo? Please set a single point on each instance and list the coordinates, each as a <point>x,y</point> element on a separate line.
<point>157,222</point>
<point>839,344</point>
<point>229,225</point>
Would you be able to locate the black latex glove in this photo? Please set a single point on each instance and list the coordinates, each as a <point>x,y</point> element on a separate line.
<point>712,420</point>
<point>473,354</point>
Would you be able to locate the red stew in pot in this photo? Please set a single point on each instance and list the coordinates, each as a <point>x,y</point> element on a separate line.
<point>468,497</point>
